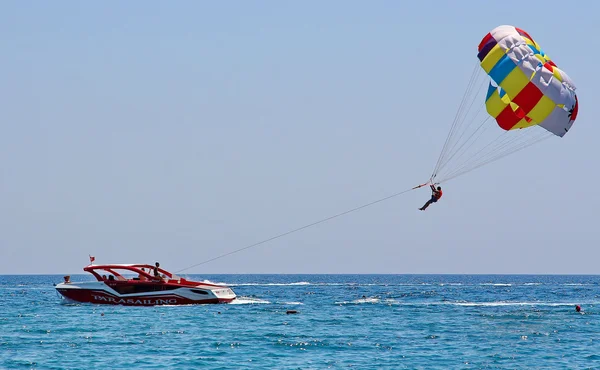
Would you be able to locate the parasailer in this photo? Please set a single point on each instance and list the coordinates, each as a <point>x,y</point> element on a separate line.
<point>436,194</point>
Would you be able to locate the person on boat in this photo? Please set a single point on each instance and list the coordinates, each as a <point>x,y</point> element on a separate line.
<point>156,272</point>
<point>140,276</point>
<point>436,194</point>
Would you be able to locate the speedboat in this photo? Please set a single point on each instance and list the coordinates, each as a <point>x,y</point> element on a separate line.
<point>137,285</point>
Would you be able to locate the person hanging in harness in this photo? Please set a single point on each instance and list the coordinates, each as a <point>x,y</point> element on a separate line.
<point>436,194</point>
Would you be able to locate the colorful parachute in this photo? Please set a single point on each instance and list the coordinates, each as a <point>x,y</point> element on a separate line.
<point>525,90</point>
<point>528,88</point>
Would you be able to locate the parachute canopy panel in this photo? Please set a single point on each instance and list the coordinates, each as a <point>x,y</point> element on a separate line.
<point>526,87</point>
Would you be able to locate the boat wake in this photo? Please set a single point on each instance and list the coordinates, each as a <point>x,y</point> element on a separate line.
<point>300,283</point>
<point>248,300</point>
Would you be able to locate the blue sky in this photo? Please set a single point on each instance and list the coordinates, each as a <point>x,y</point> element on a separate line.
<point>150,131</point>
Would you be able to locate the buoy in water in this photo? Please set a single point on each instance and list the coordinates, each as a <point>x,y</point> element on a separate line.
<point>578,308</point>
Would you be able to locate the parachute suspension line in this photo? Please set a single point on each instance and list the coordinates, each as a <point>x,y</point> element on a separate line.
<point>497,153</point>
<point>466,162</point>
<point>457,121</point>
<point>463,151</point>
<point>508,146</point>
<point>465,143</point>
<point>303,227</point>
<point>481,132</point>
<point>521,147</point>
<point>503,141</point>
<point>467,93</point>
<point>468,126</point>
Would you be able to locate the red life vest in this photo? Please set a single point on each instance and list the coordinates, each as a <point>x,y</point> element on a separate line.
<point>437,194</point>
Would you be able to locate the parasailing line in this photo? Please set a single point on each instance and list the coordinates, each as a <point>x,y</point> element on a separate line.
<point>304,227</point>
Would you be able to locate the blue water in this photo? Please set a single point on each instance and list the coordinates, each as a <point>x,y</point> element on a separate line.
<point>403,322</point>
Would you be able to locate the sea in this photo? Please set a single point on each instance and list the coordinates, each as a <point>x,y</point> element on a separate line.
<point>340,322</point>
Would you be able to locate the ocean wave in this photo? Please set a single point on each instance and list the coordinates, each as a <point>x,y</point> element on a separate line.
<point>503,303</point>
<point>360,301</point>
<point>496,284</point>
<point>392,301</point>
<point>249,300</point>
<point>300,283</point>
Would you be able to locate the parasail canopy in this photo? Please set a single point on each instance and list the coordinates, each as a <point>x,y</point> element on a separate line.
<point>526,87</point>
<point>516,97</point>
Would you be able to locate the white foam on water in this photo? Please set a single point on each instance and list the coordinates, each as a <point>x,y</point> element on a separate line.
<point>496,284</point>
<point>360,301</point>
<point>248,300</point>
<point>300,283</point>
<point>206,281</point>
<point>501,304</point>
